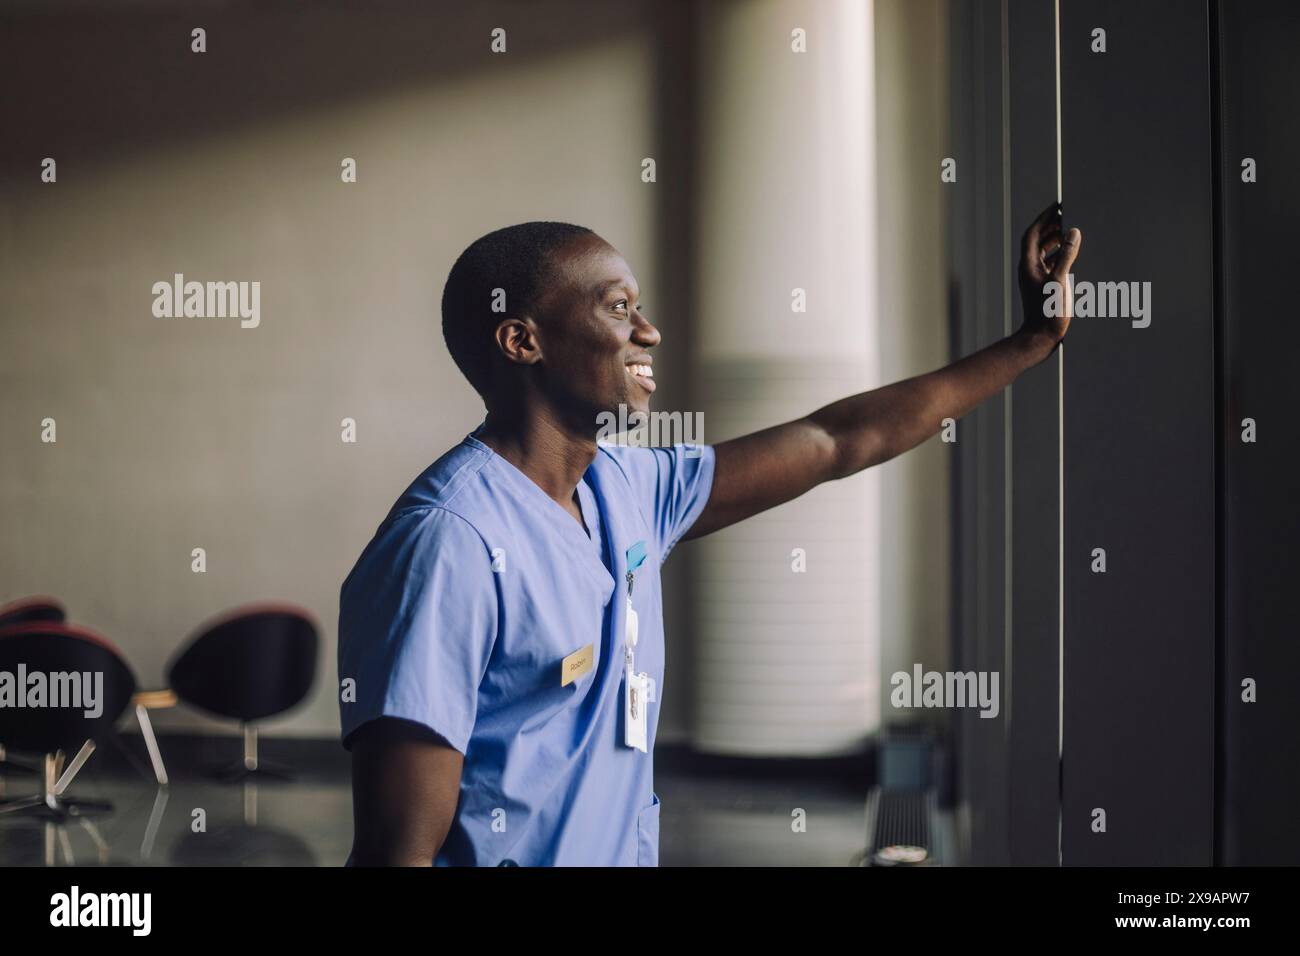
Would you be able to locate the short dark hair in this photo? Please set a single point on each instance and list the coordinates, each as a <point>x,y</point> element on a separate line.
<point>516,259</point>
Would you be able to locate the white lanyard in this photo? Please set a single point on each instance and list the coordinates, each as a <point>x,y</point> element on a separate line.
<point>638,689</point>
<point>631,626</point>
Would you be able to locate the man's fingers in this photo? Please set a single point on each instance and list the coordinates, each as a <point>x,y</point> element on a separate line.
<point>1069,252</point>
<point>1046,223</point>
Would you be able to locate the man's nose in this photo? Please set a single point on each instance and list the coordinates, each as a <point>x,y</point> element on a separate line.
<point>645,333</point>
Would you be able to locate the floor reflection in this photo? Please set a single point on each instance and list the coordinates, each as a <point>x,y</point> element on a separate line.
<point>267,822</point>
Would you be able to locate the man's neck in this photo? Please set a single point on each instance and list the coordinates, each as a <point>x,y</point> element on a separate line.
<point>555,458</point>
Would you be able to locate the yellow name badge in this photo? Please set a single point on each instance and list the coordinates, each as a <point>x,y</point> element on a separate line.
<point>577,664</point>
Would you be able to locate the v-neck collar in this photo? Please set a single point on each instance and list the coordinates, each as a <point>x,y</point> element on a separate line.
<point>590,516</point>
<point>577,536</point>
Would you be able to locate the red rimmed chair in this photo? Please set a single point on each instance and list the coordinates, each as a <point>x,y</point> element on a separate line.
<point>251,663</point>
<point>56,648</point>
<point>37,607</point>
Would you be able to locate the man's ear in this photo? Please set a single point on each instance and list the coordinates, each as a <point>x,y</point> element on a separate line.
<point>518,341</point>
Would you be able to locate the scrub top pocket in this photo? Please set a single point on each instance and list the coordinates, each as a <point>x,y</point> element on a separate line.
<point>647,834</point>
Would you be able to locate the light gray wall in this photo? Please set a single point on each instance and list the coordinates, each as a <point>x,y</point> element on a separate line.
<point>911,133</point>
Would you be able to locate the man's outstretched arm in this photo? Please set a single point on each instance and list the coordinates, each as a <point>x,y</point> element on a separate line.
<point>760,471</point>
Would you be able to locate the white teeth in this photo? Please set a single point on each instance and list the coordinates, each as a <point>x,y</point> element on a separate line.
<point>642,370</point>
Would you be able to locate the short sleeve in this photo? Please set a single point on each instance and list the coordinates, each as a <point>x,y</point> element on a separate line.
<point>417,624</point>
<point>672,484</point>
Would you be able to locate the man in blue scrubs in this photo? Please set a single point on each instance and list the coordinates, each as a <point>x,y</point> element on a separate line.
<point>501,637</point>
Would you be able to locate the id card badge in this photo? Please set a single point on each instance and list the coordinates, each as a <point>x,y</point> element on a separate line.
<point>638,689</point>
<point>635,693</point>
<point>634,710</point>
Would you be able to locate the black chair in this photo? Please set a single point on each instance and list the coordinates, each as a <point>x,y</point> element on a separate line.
<point>24,611</point>
<point>255,662</point>
<point>31,609</point>
<point>55,648</point>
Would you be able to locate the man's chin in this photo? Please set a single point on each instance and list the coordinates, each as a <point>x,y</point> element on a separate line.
<point>628,414</point>
<point>632,404</point>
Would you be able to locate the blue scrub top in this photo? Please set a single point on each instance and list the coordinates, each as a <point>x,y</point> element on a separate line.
<point>459,612</point>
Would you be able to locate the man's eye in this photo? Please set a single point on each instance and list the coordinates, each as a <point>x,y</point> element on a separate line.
<point>621,304</point>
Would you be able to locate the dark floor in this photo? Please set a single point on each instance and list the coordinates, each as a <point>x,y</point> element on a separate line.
<point>722,813</point>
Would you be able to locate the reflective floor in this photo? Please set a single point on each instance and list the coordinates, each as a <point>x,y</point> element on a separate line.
<point>707,819</point>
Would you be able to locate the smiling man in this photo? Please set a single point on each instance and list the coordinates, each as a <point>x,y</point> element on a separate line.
<point>503,629</point>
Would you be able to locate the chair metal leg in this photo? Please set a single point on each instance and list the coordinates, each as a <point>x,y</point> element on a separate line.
<point>88,748</point>
<point>20,804</point>
<point>150,741</point>
<point>50,804</point>
<point>252,765</point>
<point>155,821</point>
<point>101,845</point>
<point>77,807</point>
<point>66,845</point>
<point>78,762</point>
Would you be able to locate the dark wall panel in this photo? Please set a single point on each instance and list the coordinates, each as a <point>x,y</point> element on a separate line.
<point>979,262</point>
<point>1032,678</point>
<point>1260,744</point>
<point>1139,438</point>
<point>1006,474</point>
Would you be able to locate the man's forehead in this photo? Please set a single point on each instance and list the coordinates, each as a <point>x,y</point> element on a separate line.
<point>625,281</point>
<point>600,269</point>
